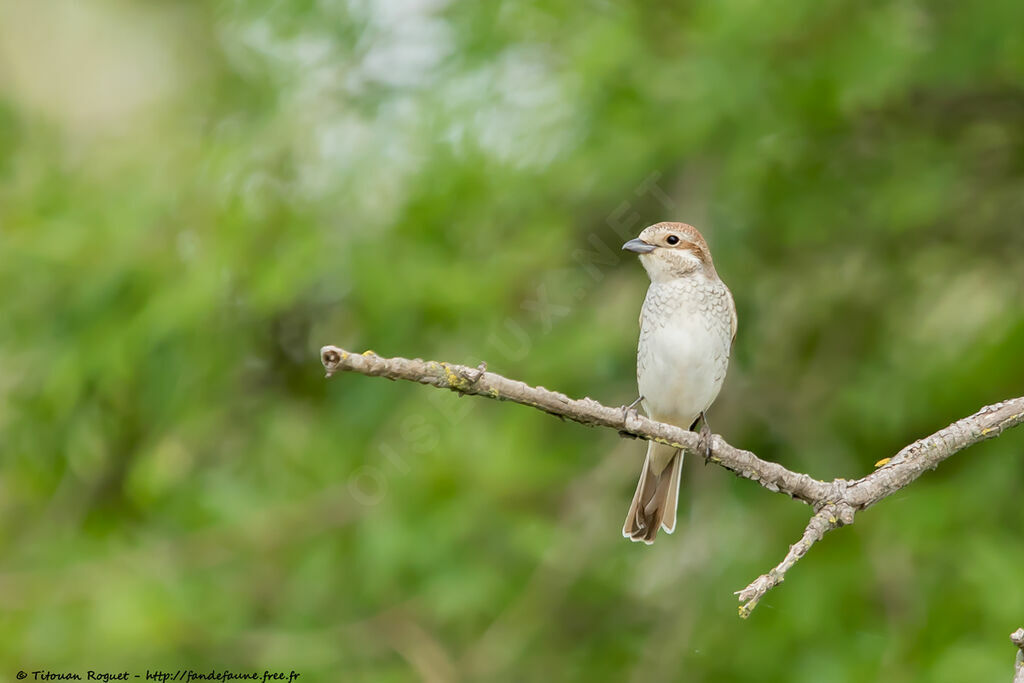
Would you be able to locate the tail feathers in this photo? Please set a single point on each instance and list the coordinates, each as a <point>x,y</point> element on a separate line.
<point>657,495</point>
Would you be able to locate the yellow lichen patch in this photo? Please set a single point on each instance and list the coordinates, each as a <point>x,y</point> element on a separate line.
<point>987,430</point>
<point>454,379</point>
<point>369,352</point>
<point>882,462</point>
<point>832,520</point>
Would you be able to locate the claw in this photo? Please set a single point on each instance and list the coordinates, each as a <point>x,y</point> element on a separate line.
<point>630,410</point>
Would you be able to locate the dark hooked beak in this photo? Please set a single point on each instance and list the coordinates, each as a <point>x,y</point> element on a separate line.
<point>638,246</point>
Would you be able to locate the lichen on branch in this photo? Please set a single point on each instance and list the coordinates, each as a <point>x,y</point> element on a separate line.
<point>834,503</point>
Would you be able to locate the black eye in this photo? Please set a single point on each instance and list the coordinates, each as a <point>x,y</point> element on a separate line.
<point>672,239</point>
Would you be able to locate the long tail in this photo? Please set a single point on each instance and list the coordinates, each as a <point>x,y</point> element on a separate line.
<point>657,495</point>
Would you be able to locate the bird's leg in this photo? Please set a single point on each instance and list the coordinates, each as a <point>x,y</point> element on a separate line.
<point>628,411</point>
<point>704,444</point>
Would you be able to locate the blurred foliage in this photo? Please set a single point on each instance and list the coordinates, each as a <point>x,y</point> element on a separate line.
<point>194,197</point>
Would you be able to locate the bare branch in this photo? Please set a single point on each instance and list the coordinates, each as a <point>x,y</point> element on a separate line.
<point>823,521</point>
<point>926,454</point>
<point>1017,637</point>
<point>479,382</point>
<point>834,503</point>
<point>893,474</point>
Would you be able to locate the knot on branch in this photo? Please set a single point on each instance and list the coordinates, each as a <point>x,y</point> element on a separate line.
<point>838,514</point>
<point>836,505</point>
<point>463,380</point>
<point>331,357</point>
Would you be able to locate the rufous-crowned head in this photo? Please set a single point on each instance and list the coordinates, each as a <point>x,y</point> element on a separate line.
<point>669,251</point>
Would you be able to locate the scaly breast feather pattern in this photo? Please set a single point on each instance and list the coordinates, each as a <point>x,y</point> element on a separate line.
<point>683,352</point>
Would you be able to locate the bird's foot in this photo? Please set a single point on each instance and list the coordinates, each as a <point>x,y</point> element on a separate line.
<point>630,410</point>
<point>627,413</point>
<point>704,443</point>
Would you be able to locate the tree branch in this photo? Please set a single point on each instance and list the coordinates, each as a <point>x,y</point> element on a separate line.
<point>1017,637</point>
<point>893,474</point>
<point>479,382</point>
<point>834,503</point>
<point>823,521</point>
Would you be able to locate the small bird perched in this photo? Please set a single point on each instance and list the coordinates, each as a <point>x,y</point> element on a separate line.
<point>687,326</point>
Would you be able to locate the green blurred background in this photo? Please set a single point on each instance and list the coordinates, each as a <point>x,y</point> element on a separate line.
<point>195,196</point>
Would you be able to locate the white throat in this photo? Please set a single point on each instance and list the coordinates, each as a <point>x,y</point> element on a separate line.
<point>661,271</point>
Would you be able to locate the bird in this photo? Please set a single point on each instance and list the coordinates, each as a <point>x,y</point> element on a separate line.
<point>687,329</point>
